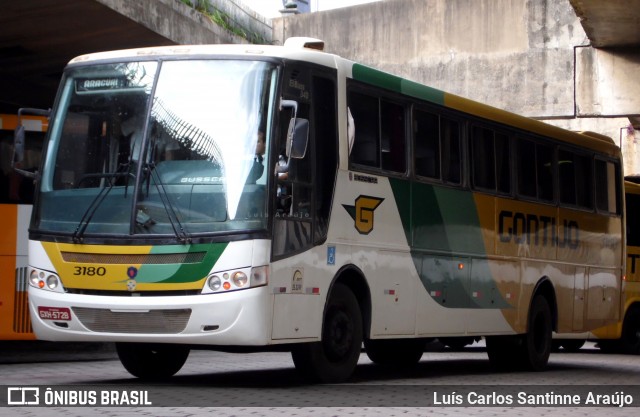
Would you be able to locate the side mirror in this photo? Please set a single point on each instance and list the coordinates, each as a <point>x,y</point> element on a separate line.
<point>18,146</point>
<point>297,138</point>
<point>19,141</point>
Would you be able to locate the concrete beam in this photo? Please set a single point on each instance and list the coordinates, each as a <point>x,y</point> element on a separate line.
<point>607,82</point>
<point>173,20</point>
<point>610,23</point>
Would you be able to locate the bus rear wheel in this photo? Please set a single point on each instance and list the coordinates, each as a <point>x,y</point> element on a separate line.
<point>335,357</point>
<point>152,361</point>
<point>530,351</point>
<point>537,341</point>
<point>630,338</point>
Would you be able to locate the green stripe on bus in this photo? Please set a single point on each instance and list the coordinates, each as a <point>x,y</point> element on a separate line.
<point>443,220</point>
<point>433,216</point>
<point>394,83</point>
<point>184,272</point>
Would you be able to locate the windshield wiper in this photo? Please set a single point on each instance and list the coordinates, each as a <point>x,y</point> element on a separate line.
<point>78,234</point>
<point>178,229</point>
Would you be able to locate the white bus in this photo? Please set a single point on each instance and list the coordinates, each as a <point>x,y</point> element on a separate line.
<point>376,211</point>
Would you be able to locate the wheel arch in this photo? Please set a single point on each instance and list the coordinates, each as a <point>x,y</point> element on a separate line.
<point>545,288</point>
<point>352,277</point>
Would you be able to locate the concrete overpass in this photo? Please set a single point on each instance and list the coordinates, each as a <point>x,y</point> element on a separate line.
<point>533,57</point>
<point>571,62</point>
<point>611,23</point>
<point>38,37</point>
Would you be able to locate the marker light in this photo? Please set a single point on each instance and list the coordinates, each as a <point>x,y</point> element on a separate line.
<point>259,276</point>
<point>40,284</point>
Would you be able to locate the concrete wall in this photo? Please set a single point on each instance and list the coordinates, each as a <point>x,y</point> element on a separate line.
<point>519,55</point>
<point>182,24</point>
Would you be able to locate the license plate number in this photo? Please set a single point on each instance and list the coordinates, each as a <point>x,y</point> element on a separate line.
<point>54,313</point>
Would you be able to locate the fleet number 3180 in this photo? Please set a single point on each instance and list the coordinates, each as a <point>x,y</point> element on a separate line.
<point>89,271</point>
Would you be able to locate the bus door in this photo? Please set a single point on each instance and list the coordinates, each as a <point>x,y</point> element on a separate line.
<point>303,196</point>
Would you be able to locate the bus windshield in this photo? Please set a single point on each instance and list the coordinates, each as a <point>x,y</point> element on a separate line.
<point>171,147</point>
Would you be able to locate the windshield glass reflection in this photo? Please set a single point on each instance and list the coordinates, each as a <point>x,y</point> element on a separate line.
<point>190,159</point>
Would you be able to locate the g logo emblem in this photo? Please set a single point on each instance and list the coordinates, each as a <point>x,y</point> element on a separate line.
<point>362,212</point>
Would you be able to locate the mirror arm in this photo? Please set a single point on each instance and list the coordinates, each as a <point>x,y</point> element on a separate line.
<point>36,112</point>
<point>289,103</point>
<point>24,173</point>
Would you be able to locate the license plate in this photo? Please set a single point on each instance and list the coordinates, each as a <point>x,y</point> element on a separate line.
<point>54,313</point>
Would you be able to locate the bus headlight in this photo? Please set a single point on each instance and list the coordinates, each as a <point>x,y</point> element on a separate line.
<point>45,280</point>
<point>52,282</point>
<point>35,277</point>
<point>215,283</point>
<point>238,279</point>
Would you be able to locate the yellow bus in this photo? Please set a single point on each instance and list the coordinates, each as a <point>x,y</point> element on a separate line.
<point>16,197</point>
<point>279,197</point>
<point>624,335</point>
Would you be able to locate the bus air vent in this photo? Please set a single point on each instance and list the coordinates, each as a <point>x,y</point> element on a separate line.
<point>147,322</point>
<point>133,258</point>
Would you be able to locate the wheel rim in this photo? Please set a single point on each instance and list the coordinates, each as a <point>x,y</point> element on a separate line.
<point>338,336</point>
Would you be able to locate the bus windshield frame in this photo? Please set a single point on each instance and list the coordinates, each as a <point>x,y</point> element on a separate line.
<point>163,148</point>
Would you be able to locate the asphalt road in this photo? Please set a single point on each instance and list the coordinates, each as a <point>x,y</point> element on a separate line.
<point>444,383</point>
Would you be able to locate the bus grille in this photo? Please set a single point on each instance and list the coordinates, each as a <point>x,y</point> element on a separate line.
<point>133,258</point>
<point>148,322</point>
<point>21,318</point>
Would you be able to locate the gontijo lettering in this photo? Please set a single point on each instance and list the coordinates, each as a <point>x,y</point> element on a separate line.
<point>529,228</point>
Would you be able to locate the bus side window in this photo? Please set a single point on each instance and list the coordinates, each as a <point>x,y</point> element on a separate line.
<point>392,126</point>
<point>366,145</point>
<point>427,144</point>
<point>450,140</point>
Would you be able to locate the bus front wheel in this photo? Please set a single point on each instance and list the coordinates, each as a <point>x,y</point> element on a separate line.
<point>152,361</point>
<point>335,357</point>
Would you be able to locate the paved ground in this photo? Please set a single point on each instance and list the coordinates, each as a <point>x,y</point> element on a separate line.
<point>267,384</point>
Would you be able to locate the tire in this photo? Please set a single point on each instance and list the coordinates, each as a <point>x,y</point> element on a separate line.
<point>334,358</point>
<point>152,361</point>
<point>536,346</point>
<point>529,351</point>
<point>630,338</point>
<point>396,352</point>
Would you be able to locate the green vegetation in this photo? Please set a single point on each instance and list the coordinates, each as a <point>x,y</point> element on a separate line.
<point>224,20</point>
